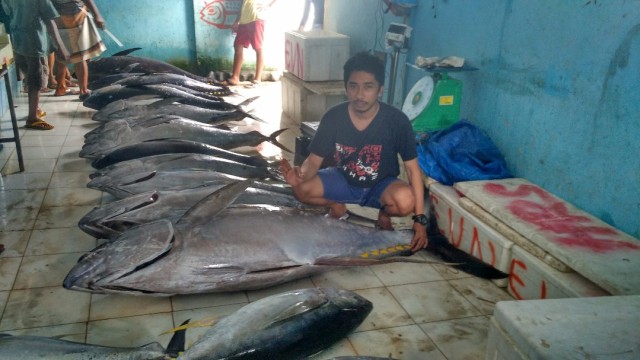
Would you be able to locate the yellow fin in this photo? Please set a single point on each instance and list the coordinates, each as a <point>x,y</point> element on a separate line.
<point>199,323</point>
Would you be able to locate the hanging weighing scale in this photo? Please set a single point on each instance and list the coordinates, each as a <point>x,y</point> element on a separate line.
<point>433,103</point>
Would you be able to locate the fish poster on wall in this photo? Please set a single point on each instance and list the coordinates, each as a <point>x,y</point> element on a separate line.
<point>218,13</point>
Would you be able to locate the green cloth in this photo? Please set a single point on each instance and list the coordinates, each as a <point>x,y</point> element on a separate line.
<point>28,31</point>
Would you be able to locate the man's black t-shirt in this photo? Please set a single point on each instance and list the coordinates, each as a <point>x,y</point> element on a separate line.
<point>368,156</point>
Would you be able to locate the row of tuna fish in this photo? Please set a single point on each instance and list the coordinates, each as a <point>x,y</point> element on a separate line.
<point>193,214</point>
<point>290,325</point>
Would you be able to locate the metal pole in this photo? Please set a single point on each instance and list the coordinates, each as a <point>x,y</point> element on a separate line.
<point>392,75</point>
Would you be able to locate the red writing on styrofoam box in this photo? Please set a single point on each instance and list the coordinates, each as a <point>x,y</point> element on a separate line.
<point>294,58</point>
<point>552,217</point>
<point>456,235</point>
<point>516,282</point>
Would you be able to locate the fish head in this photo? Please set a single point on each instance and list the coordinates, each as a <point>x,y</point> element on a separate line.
<point>110,220</point>
<point>100,270</point>
<point>355,307</point>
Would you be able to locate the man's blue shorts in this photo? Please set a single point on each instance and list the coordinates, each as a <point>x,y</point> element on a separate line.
<point>336,188</point>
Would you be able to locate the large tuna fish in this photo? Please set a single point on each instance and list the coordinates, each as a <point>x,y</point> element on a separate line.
<point>286,326</point>
<point>139,182</point>
<point>213,248</point>
<point>173,146</point>
<point>175,79</point>
<point>127,109</point>
<point>171,127</point>
<point>122,63</point>
<point>110,220</point>
<point>186,162</point>
<point>27,347</point>
<point>108,94</point>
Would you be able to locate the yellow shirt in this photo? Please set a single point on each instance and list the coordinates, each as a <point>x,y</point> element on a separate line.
<point>252,10</point>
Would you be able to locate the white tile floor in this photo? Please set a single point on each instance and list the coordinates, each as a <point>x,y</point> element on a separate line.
<point>420,311</point>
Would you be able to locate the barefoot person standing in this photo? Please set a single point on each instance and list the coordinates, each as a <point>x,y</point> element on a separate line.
<point>30,20</point>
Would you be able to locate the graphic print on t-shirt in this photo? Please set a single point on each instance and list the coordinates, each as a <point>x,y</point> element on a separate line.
<point>362,166</point>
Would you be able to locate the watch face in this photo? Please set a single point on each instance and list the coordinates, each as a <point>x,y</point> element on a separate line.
<point>422,219</point>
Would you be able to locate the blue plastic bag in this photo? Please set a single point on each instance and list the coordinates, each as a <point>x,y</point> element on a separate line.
<point>461,152</point>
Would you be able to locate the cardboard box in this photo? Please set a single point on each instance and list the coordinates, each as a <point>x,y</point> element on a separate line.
<point>316,55</point>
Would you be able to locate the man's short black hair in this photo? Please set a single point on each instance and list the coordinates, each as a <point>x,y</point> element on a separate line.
<point>364,61</point>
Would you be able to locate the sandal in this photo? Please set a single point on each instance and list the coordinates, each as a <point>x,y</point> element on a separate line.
<point>253,84</point>
<point>228,83</point>
<point>40,113</point>
<point>39,125</point>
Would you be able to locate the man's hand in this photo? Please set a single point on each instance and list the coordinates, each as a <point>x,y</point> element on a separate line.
<point>292,175</point>
<point>100,22</point>
<point>419,240</point>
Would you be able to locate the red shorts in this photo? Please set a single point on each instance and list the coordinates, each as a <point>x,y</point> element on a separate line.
<point>250,34</point>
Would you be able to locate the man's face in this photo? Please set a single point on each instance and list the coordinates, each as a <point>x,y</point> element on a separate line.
<point>363,91</point>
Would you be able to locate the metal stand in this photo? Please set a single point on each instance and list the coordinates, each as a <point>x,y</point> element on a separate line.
<point>14,122</point>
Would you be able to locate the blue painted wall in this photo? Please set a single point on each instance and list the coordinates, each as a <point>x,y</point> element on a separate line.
<point>558,87</point>
<point>164,29</point>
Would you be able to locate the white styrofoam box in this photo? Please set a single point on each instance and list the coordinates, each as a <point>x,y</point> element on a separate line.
<point>530,279</point>
<point>586,244</point>
<point>467,232</point>
<point>306,102</point>
<point>316,55</point>
<point>500,346</point>
<point>579,328</point>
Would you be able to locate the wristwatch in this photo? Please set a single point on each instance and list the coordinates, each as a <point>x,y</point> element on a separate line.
<point>421,219</point>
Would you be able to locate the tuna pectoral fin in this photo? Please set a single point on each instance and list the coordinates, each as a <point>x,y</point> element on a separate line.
<point>126,52</point>
<point>205,209</point>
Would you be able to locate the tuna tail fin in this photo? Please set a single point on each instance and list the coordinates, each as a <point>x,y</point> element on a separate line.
<point>126,52</point>
<point>177,343</point>
<point>251,116</point>
<point>441,247</point>
<point>274,141</point>
<point>248,101</point>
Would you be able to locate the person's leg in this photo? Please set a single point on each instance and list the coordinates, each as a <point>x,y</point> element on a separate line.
<point>259,65</point>
<point>82,74</point>
<point>52,78</point>
<point>393,197</point>
<point>328,189</point>
<point>256,43</point>
<point>237,64</point>
<point>37,75</point>
<point>61,70</point>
